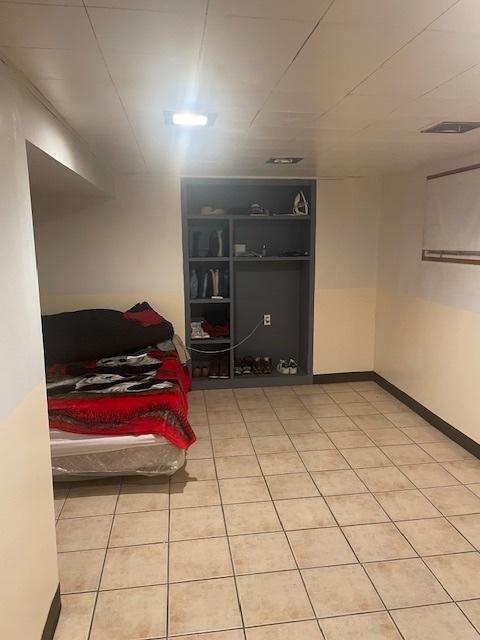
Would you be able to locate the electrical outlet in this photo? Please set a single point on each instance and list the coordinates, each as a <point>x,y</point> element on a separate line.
<point>267,320</point>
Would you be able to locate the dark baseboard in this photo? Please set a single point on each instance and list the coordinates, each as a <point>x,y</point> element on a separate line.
<point>350,376</point>
<point>53,616</point>
<point>454,434</point>
<point>358,376</point>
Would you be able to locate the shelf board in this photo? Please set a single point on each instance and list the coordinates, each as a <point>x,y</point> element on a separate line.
<point>224,259</point>
<point>210,341</point>
<point>285,216</point>
<point>273,259</point>
<point>209,301</point>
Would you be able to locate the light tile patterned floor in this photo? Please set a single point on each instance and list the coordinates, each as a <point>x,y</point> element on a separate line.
<point>316,512</point>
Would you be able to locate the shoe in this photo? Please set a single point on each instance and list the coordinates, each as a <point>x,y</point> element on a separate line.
<point>267,366</point>
<point>214,369</point>
<point>224,370</point>
<point>197,372</point>
<point>283,367</point>
<point>237,369</point>
<point>197,332</point>
<point>292,367</point>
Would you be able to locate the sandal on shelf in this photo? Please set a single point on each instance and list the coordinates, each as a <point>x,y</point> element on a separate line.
<point>267,366</point>
<point>257,367</point>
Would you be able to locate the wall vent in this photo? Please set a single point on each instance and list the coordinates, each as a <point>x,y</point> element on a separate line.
<point>452,127</point>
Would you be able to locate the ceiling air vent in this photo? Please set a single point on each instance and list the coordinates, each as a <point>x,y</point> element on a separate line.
<point>452,127</point>
<point>288,160</point>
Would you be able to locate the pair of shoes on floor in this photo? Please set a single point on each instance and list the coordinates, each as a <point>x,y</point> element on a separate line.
<point>261,365</point>
<point>288,366</point>
<point>215,369</point>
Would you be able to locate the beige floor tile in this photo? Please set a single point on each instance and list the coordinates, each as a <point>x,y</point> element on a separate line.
<point>384,479</point>
<point>272,444</point>
<point>425,476</point>
<point>350,439</point>
<point>385,437</point>
<point>453,501</point>
<point>404,418</point>
<point>221,404</point>
<point>336,386</point>
<point>78,534</point>
<point>365,457</point>
<point>258,415</point>
<point>326,411</point>
<point>459,574</point>
<point>291,485</point>
<point>261,552</point>
<point>228,430</point>
<point>312,442</point>
<point>236,490</point>
<point>195,470</point>
<point>375,542</point>
<point>406,454</point>
<point>233,447</point>
<point>265,428</point>
<point>339,591</point>
<point>304,513</point>
<point>334,483</point>
<point>292,413</point>
<point>134,498</point>
<point>467,471</point>
<point>237,467</point>
<point>372,422</point>
<point>137,566</point>
<point>323,460</point>
<point>216,416</point>
<point>475,488</point>
<point>271,598</point>
<point>472,610</point>
<point>316,400</point>
<point>275,463</point>
<point>390,406</point>
<point>406,505</point>
<point>405,583</point>
<point>367,626</point>
<point>439,622</point>
<point>346,396</point>
<point>358,409</point>
<point>75,617</point>
<point>130,613</point>
<point>196,522</point>
<point>285,401</point>
<point>446,451</point>
<point>90,501</point>
<point>434,536</point>
<point>365,385</point>
<point>194,494</point>
<point>288,631</point>
<point>80,570</point>
<point>376,395</point>
<point>234,634</point>
<point>146,527</point>
<point>204,605</point>
<point>60,495</point>
<point>251,517</point>
<point>340,423</point>
<point>198,419</point>
<point>254,402</point>
<point>357,509</point>
<point>200,449</point>
<point>304,425</point>
<point>424,434</point>
<point>320,547</point>
<point>308,389</point>
<point>199,559</point>
<point>280,391</point>
<point>469,526</point>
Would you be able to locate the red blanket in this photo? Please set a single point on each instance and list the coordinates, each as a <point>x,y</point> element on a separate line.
<point>160,412</point>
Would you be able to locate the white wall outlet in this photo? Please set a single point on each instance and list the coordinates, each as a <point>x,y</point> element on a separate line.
<point>267,320</point>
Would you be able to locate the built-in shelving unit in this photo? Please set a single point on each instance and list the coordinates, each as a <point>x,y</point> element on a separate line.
<point>252,285</point>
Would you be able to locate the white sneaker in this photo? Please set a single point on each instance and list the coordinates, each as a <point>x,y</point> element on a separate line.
<point>282,367</point>
<point>292,367</point>
<point>197,332</point>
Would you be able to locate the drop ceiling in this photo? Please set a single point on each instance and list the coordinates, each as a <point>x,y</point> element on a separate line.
<point>348,85</point>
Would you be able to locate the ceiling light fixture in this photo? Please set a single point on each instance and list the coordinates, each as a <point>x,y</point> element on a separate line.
<point>452,127</point>
<point>283,160</point>
<point>189,118</point>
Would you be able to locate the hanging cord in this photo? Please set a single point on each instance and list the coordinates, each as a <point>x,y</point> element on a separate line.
<point>232,347</point>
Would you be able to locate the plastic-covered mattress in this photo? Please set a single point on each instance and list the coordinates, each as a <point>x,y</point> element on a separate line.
<point>76,456</point>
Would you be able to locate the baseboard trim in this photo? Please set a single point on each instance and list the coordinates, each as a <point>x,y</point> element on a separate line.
<point>53,616</point>
<point>349,376</point>
<point>359,376</point>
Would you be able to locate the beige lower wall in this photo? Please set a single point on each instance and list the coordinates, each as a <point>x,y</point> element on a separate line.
<point>28,562</point>
<point>430,351</point>
<point>344,330</point>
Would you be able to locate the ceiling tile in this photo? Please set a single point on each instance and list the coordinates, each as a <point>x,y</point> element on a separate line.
<point>356,112</point>
<point>70,3</point>
<point>464,16</point>
<point>196,7</point>
<point>430,59</point>
<point>45,26</point>
<point>279,9</point>
<point>464,86</point>
<point>415,13</point>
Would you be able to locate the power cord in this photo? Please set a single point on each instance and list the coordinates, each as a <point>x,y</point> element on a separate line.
<point>233,346</point>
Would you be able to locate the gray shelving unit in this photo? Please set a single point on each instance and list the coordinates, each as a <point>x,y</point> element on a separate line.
<point>279,285</point>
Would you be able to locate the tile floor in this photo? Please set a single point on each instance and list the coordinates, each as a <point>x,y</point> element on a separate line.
<point>316,512</point>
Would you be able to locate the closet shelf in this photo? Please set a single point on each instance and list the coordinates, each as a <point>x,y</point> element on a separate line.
<point>272,259</point>
<point>283,217</point>
<point>210,341</point>
<point>209,259</point>
<point>208,301</point>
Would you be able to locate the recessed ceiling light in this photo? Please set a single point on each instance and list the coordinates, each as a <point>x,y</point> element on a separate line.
<point>452,127</point>
<point>189,118</point>
<point>283,160</point>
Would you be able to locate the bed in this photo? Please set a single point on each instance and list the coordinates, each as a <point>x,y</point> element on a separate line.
<point>119,414</point>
